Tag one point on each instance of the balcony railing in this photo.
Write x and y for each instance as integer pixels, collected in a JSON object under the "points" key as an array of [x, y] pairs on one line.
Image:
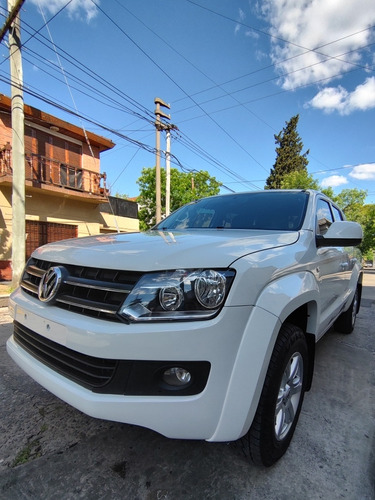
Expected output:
{"points": [[43, 170]]}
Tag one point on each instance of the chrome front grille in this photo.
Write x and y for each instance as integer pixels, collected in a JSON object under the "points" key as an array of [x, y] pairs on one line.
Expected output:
{"points": [[84, 290]]}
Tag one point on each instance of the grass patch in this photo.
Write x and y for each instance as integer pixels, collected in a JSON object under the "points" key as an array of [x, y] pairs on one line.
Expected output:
{"points": [[33, 449], [30, 451]]}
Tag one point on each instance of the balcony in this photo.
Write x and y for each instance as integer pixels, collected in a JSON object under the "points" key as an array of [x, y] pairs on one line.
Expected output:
{"points": [[57, 177]]}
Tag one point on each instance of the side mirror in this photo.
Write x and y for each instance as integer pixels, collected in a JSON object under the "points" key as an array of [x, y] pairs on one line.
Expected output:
{"points": [[341, 234]]}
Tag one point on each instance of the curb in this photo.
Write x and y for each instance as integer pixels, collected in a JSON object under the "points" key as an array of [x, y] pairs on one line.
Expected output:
{"points": [[4, 299]]}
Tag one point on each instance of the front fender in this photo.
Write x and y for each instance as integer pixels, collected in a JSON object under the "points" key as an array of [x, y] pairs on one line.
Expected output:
{"points": [[283, 296], [276, 302]]}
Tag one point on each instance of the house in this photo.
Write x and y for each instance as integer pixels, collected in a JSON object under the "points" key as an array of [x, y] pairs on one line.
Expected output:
{"points": [[66, 194]]}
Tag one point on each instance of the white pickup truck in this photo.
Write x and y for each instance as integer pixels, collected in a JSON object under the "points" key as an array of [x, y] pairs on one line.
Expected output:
{"points": [[203, 327]]}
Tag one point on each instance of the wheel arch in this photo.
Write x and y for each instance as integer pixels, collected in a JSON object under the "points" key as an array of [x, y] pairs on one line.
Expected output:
{"points": [[305, 318]]}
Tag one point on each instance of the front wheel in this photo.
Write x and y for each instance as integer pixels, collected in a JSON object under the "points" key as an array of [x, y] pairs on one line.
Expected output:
{"points": [[281, 399]]}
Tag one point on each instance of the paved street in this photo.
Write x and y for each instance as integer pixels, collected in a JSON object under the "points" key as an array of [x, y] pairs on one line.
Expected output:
{"points": [[49, 450]]}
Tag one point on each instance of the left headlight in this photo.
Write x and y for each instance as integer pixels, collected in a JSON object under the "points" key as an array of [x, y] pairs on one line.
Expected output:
{"points": [[183, 294]]}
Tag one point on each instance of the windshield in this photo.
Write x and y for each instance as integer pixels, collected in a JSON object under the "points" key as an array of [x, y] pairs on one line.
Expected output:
{"points": [[271, 210]]}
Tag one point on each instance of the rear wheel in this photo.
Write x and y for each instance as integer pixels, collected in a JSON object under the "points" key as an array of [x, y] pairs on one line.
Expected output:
{"points": [[281, 399], [346, 321]]}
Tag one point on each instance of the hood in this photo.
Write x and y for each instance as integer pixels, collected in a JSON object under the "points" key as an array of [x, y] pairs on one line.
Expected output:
{"points": [[158, 250]]}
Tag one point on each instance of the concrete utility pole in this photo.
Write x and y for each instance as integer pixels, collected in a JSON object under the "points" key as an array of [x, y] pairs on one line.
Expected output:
{"points": [[168, 173], [9, 20], [18, 149], [168, 129], [159, 125]]}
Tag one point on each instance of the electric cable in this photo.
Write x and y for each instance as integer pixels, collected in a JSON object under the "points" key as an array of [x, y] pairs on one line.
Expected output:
{"points": [[257, 30], [179, 86]]}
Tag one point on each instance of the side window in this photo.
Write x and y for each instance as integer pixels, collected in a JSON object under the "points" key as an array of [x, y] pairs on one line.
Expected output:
{"points": [[337, 213], [324, 216]]}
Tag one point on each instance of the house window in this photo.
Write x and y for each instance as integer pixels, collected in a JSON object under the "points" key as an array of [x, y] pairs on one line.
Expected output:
{"points": [[70, 176]]}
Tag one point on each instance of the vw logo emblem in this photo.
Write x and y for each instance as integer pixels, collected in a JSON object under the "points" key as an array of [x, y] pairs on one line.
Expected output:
{"points": [[49, 284]]}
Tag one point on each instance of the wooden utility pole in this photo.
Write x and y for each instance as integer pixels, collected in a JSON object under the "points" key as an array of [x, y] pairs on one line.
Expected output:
{"points": [[18, 148], [159, 125]]}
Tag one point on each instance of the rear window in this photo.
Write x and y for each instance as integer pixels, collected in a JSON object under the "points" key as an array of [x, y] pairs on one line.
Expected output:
{"points": [[271, 210]]}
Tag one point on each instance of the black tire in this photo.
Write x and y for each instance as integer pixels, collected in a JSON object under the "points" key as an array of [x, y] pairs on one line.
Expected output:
{"points": [[281, 399], [346, 321]]}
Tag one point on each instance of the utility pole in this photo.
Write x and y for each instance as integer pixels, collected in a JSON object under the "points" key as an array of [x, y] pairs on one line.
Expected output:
{"points": [[12, 15], [18, 148], [159, 125], [168, 172], [168, 129]]}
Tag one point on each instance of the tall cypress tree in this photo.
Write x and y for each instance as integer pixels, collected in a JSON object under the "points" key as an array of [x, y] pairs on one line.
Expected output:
{"points": [[288, 154]]}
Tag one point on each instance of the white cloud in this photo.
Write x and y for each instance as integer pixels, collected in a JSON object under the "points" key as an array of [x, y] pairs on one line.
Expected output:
{"points": [[363, 172], [363, 96], [241, 15], [334, 181], [336, 29], [77, 8], [252, 34], [338, 99]]}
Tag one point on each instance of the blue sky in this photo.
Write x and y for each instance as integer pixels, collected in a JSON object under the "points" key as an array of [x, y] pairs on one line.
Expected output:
{"points": [[232, 71]]}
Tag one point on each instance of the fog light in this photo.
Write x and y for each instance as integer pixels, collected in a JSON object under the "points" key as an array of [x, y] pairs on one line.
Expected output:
{"points": [[176, 376]]}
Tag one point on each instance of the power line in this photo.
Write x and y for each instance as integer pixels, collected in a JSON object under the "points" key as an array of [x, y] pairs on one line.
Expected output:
{"points": [[116, 104], [276, 78], [184, 140], [273, 65], [52, 102], [274, 94], [206, 156], [288, 42], [177, 85], [99, 79], [67, 84]]}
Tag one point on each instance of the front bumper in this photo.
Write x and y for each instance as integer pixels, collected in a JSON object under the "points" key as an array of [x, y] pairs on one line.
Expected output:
{"points": [[208, 414]]}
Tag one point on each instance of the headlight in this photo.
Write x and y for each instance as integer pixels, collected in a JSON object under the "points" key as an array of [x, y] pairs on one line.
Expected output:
{"points": [[209, 289], [184, 294]]}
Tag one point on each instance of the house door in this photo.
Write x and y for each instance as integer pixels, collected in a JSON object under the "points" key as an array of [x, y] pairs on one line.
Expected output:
{"points": [[39, 233]]}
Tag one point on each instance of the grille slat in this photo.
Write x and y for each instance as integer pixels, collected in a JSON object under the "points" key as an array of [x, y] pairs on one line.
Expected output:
{"points": [[85, 290], [86, 370], [87, 304], [100, 285], [30, 287], [35, 271]]}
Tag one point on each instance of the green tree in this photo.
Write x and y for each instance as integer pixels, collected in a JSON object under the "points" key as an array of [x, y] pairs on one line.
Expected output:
{"points": [[123, 196], [289, 157], [185, 187], [368, 225], [299, 179], [351, 201]]}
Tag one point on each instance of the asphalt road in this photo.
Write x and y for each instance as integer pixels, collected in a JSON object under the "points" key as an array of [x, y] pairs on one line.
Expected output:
{"points": [[49, 450]]}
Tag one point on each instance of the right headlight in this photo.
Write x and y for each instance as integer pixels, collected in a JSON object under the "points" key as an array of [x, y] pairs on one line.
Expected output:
{"points": [[183, 294]]}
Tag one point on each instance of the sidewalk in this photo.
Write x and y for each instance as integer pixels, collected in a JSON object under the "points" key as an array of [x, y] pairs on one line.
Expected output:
{"points": [[5, 291]]}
